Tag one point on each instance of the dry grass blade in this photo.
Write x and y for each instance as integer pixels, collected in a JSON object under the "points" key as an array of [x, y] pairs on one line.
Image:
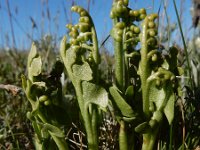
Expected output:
{"points": [[11, 88]]}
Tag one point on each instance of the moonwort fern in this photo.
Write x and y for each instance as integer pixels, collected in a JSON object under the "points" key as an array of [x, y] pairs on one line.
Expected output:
{"points": [[144, 88]]}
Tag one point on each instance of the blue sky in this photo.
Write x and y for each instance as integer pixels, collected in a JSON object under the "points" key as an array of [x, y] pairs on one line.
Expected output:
{"points": [[23, 10]]}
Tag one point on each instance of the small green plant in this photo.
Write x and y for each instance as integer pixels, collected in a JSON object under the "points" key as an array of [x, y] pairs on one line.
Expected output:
{"points": [[45, 95], [143, 92], [81, 59]]}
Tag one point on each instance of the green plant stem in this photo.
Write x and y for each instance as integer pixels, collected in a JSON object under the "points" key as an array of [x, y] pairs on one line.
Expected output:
{"points": [[90, 126], [37, 130], [95, 52], [92, 118], [145, 71], [149, 140], [126, 72], [95, 46], [38, 144], [126, 61], [94, 125], [92, 141], [144, 68], [120, 82], [119, 60], [60, 142], [123, 136], [41, 116]]}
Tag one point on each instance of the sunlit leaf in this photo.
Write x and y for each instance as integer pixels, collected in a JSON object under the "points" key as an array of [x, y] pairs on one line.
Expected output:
{"points": [[169, 107], [32, 54], [63, 47], [83, 72], [70, 57], [124, 107], [157, 95], [164, 99], [36, 67], [95, 94]]}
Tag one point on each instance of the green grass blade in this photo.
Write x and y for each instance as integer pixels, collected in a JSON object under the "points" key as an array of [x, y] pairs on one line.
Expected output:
{"points": [[184, 44]]}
